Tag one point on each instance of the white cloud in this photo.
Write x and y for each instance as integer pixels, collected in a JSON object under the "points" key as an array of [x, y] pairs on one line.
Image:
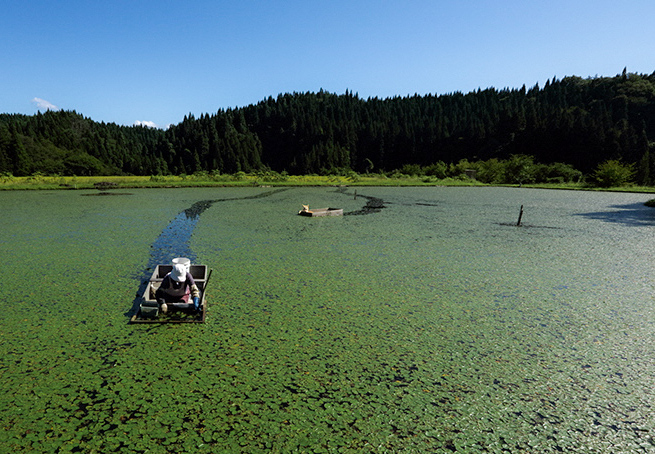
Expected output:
{"points": [[149, 124], [42, 104]]}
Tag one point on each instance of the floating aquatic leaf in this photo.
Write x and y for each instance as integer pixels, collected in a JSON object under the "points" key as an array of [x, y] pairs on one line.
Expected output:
{"points": [[406, 330]]}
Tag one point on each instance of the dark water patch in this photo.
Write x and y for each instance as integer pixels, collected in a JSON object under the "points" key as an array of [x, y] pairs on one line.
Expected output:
{"points": [[195, 210], [373, 204], [174, 240], [376, 204]]}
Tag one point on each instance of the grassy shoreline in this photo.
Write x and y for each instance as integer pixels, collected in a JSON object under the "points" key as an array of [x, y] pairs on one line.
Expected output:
{"points": [[238, 180], [254, 180]]}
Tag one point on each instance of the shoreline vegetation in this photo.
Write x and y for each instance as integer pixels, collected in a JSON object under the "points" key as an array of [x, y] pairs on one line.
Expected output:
{"points": [[273, 179], [561, 131], [574, 133], [517, 171]]}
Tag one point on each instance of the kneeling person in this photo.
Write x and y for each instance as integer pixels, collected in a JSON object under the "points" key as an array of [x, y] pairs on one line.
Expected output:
{"points": [[176, 289]]}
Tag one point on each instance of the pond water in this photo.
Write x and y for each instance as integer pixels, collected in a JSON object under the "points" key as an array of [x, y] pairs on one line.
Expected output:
{"points": [[423, 320]]}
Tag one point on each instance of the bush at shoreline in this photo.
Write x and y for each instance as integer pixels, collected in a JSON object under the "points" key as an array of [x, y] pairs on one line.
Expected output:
{"points": [[264, 179]]}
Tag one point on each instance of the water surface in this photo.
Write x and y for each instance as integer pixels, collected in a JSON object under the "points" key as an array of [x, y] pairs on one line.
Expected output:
{"points": [[429, 322]]}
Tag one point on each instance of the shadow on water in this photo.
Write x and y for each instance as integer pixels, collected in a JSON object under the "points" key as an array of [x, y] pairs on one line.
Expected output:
{"points": [[174, 240], [632, 214]]}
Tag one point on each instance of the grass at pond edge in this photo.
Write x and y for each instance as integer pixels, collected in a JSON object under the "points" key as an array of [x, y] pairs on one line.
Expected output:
{"points": [[104, 183]]}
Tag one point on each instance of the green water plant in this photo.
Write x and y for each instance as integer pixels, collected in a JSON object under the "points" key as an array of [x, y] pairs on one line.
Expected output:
{"points": [[429, 326]]}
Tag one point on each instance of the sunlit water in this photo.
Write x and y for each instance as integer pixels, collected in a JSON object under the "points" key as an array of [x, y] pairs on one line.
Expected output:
{"points": [[424, 320]]}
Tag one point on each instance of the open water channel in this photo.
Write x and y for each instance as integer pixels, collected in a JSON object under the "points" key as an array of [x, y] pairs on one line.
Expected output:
{"points": [[424, 320]]}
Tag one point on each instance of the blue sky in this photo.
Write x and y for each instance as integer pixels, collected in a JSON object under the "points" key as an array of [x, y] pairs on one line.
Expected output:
{"points": [[156, 61]]}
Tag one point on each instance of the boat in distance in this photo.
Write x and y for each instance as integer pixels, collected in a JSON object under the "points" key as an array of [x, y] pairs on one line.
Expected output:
{"points": [[318, 212]]}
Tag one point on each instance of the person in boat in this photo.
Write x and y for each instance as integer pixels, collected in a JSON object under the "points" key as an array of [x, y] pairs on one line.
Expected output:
{"points": [[178, 290]]}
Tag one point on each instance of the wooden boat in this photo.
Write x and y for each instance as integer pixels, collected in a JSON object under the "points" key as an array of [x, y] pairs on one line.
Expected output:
{"points": [[149, 312], [321, 212]]}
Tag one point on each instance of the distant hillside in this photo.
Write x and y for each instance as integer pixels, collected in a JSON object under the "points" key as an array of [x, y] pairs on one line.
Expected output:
{"points": [[580, 122]]}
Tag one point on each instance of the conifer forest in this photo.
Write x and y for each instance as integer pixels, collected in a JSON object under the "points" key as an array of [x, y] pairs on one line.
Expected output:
{"points": [[571, 126]]}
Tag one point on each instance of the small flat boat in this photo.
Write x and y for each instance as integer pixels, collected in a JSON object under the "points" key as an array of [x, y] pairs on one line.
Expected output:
{"points": [[149, 312], [316, 212]]}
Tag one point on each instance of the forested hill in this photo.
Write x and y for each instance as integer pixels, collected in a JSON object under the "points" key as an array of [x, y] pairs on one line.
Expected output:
{"points": [[580, 122]]}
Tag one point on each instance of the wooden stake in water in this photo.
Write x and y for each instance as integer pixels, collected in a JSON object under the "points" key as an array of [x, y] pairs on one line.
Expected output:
{"points": [[520, 216]]}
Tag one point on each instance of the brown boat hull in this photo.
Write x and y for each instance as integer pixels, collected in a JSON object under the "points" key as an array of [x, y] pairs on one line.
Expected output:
{"points": [[148, 310]]}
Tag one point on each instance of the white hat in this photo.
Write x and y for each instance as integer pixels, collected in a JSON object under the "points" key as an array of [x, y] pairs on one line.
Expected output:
{"points": [[179, 273]]}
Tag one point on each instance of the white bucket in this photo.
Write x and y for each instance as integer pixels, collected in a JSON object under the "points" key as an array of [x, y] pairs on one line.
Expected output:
{"points": [[182, 261]]}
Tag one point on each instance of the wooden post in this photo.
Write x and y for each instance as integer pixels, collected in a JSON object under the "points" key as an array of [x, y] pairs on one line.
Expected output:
{"points": [[520, 216], [355, 195]]}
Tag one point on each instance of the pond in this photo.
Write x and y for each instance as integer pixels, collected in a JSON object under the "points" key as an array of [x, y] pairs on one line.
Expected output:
{"points": [[423, 320]]}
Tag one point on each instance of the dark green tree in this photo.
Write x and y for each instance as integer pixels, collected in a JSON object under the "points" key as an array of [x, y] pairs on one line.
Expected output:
{"points": [[21, 163], [613, 173]]}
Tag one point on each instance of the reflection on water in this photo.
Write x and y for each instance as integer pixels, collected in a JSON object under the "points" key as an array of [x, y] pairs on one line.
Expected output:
{"points": [[174, 241]]}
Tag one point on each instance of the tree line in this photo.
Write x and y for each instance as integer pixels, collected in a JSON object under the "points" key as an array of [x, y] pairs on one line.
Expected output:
{"points": [[572, 125]]}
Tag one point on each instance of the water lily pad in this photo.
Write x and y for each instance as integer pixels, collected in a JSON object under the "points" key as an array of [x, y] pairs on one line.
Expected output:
{"points": [[423, 327]]}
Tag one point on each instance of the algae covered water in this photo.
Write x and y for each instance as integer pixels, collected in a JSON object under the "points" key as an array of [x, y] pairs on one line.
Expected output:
{"points": [[423, 320]]}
